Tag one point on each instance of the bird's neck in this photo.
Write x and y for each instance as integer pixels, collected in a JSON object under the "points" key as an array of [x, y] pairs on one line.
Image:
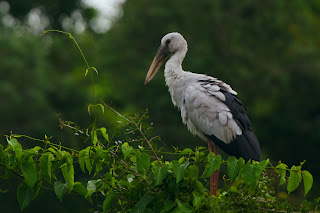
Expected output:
{"points": [[173, 66], [172, 73]]}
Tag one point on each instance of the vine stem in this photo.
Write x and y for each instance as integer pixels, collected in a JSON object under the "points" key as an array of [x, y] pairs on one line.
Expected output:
{"points": [[44, 141], [137, 127], [84, 58]]}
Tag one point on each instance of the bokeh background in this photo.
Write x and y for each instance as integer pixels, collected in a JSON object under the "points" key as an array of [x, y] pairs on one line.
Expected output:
{"points": [[268, 51]]}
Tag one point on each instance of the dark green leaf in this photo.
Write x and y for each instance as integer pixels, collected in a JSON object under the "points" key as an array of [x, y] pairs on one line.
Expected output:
{"points": [[36, 189], [159, 172], [199, 186], [168, 204], [179, 169], [294, 179], [307, 181], [29, 171], [107, 201], [142, 162], [60, 189], [24, 195], [212, 165], [46, 165], [143, 202], [182, 207], [234, 166]]}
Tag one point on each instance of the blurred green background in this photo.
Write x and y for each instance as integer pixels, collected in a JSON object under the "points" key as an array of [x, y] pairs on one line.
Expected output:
{"points": [[268, 51]]}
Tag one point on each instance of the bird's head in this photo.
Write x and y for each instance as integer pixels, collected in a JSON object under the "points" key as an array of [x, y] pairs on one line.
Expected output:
{"points": [[170, 43]]}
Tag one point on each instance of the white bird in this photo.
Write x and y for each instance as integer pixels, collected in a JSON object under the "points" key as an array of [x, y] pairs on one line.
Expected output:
{"points": [[209, 107]]}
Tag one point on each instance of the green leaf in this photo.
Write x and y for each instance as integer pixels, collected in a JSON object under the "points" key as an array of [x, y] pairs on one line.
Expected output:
{"points": [[168, 204], [192, 172], [142, 162], [92, 187], [162, 174], [212, 165], [102, 157], [307, 181], [126, 149], [46, 165], [252, 171], [52, 150], [179, 169], [186, 151], [199, 186], [94, 137], [107, 201], [68, 171], [250, 174], [81, 159], [294, 179], [24, 195], [16, 147], [36, 189], [182, 207], [234, 166], [196, 200], [159, 172], [282, 170], [34, 150], [88, 160], [104, 133], [143, 202], [262, 165], [60, 189], [81, 190], [29, 171], [100, 105]]}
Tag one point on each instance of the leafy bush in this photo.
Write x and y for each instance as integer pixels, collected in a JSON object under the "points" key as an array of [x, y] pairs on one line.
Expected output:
{"points": [[131, 175]]}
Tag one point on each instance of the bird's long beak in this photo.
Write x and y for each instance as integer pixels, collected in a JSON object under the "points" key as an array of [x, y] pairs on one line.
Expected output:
{"points": [[156, 63]]}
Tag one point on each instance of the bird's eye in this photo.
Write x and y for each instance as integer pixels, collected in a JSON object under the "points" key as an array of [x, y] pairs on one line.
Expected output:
{"points": [[168, 41]]}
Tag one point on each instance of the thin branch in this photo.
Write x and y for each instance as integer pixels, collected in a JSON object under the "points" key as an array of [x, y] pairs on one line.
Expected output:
{"points": [[14, 172]]}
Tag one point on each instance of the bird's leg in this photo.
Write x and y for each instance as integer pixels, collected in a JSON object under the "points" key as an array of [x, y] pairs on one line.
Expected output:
{"points": [[212, 178], [216, 173]]}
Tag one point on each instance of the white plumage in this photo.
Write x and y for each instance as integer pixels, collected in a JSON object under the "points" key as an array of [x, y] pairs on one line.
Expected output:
{"points": [[208, 106]]}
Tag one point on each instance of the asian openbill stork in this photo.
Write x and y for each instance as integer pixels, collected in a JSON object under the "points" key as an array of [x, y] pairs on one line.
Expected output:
{"points": [[209, 107]]}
